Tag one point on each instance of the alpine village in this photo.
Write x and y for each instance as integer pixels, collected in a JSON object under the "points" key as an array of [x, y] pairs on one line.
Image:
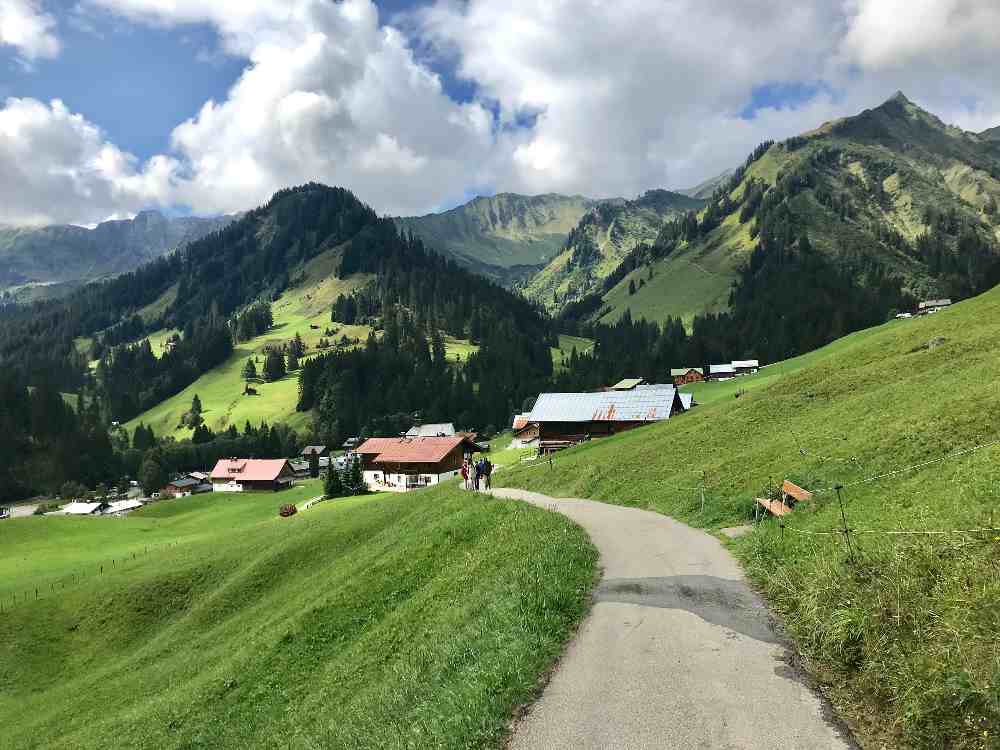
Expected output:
{"points": [[705, 467]]}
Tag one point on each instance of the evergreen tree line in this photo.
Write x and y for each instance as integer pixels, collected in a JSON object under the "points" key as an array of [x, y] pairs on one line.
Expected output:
{"points": [[380, 388], [45, 442]]}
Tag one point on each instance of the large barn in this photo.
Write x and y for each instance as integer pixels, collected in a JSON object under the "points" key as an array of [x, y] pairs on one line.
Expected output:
{"points": [[565, 419], [407, 463]]}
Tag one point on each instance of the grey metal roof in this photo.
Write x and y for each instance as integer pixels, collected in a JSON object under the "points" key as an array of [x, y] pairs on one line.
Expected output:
{"points": [[181, 483], [721, 368], [644, 404], [934, 303], [738, 363], [444, 429]]}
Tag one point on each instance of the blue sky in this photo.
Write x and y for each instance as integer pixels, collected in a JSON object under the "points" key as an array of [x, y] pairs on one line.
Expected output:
{"points": [[418, 105], [139, 81]]}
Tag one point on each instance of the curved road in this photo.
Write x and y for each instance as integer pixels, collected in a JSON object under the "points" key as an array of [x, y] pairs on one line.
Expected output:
{"points": [[677, 652]]}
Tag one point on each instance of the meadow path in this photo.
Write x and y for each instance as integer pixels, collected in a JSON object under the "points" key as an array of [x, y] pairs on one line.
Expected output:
{"points": [[677, 652]]}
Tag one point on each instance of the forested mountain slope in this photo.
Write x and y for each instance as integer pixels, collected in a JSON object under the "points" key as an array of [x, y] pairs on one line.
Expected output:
{"points": [[505, 236], [890, 194], [600, 241], [68, 255]]}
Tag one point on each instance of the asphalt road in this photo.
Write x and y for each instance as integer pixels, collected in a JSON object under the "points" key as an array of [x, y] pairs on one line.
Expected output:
{"points": [[677, 652]]}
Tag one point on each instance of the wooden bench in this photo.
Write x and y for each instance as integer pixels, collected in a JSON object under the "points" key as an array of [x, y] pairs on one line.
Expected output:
{"points": [[791, 494], [793, 491], [775, 507]]}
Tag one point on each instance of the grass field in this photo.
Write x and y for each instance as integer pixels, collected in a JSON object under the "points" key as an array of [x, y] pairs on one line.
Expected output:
{"points": [[393, 621], [458, 350], [905, 637], [706, 393]]}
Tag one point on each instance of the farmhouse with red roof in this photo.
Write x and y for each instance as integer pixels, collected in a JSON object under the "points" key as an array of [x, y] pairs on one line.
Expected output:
{"points": [[247, 474], [401, 464]]}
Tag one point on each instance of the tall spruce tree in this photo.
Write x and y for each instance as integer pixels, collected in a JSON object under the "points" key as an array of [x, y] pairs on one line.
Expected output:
{"points": [[334, 486]]}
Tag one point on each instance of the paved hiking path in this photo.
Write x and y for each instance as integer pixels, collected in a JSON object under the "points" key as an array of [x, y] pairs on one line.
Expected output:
{"points": [[677, 652]]}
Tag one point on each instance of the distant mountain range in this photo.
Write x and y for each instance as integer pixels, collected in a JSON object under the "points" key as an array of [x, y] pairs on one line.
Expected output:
{"points": [[507, 236], [46, 261]]}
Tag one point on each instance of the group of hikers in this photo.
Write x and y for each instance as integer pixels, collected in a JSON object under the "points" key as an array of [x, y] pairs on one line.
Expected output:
{"points": [[476, 474]]}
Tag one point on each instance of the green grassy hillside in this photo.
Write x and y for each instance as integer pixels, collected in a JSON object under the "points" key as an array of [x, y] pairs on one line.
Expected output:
{"points": [[867, 190], [904, 638], [503, 236], [600, 241], [421, 620], [221, 389]]}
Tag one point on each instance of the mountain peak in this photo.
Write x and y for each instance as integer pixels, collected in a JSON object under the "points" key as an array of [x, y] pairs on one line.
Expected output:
{"points": [[899, 97]]}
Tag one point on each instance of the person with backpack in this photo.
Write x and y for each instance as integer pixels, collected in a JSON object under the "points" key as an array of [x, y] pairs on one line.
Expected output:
{"points": [[477, 474]]}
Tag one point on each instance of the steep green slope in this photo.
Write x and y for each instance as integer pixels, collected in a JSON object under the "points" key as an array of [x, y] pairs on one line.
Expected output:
{"points": [[53, 260], [904, 637], [890, 193], [505, 236], [597, 245], [391, 621]]}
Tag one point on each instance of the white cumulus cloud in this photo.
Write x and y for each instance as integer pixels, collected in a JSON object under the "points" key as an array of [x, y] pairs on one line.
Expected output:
{"points": [[328, 95], [26, 27], [58, 168]]}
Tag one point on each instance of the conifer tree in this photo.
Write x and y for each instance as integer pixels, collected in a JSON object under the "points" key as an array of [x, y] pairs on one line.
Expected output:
{"points": [[274, 366], [357, 481], [334, 486]]}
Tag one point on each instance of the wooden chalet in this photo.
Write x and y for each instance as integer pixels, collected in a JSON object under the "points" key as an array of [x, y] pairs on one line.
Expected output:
{"points": [[186, 486], [932, 306], [408, 463], [565, 419], [687, 375], [746, 366], [252, 474], [525, 432], [721, 372]]}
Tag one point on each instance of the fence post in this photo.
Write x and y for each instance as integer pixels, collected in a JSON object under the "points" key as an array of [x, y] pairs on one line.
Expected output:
{"points": [[843, 516]]}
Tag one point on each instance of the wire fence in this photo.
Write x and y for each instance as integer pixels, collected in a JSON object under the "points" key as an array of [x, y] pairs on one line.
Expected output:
{"points": [[53, 588]]}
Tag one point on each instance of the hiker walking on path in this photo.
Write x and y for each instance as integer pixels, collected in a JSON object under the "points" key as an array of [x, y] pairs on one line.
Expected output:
{"points": [[476, 473], [465, 474], [487, 472]]}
